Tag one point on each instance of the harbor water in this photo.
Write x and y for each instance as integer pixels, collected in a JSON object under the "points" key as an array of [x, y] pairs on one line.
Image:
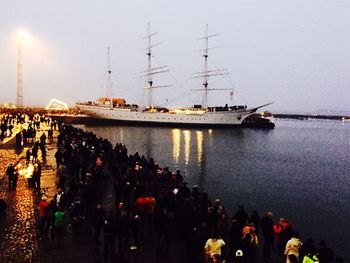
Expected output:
{"points": [[300, 170]]}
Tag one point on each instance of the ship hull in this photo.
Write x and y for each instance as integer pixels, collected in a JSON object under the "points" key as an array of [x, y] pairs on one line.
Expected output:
{"points": [[127, 116]]}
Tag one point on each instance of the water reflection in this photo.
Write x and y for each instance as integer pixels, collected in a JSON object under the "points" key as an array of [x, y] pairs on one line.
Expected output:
{"points": [[186, 148], [183, 151], [176, 138], [122, 135], [187, 137], [149, 142], [201, 157], [199, 135]]}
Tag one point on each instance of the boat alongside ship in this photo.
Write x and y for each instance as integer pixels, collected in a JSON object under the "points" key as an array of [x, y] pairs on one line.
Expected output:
{"points": [[117, 110], [258, 121]]}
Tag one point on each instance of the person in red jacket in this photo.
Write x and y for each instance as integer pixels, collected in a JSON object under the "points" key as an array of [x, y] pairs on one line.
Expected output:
{"points": [[279, 229], [42, 206]]}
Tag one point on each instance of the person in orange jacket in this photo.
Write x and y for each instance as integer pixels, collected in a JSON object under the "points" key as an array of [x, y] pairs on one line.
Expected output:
{"points": [[278, 230]]}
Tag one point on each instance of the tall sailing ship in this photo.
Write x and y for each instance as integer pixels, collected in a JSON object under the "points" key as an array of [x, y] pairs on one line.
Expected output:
{"points": [[116, 109]]}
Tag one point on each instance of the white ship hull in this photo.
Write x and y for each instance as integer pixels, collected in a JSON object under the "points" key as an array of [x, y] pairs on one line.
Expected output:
{"points": [[188, 118]]}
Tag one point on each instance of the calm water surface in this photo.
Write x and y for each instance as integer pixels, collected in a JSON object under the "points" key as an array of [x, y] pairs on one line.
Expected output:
{"points": [[300, 170]]}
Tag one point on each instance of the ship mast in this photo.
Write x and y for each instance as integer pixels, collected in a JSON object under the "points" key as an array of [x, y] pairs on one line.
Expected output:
{"points": [[150, 70], [206, 73], [109, 86], [149, 57]]}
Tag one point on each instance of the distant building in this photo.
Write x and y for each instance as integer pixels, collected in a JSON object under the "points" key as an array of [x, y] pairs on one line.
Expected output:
{"points": [[55, 104], [8, 105]]}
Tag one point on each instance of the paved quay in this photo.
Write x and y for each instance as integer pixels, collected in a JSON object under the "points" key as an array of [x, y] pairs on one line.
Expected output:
{"points": [[20, 240], [18, 233]]}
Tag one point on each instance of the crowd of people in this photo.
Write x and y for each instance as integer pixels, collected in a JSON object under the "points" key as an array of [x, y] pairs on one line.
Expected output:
{"points": [[7, 124], [155, 203], [26, 137]]}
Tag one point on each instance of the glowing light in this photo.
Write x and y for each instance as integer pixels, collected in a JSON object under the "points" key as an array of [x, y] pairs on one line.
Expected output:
{"points": [[55, 104], [187, 135], [23, 36], [188, 111], [176, 145], [22, 33], [121, 135], [199, 146], [8, 105], [26, 172]]}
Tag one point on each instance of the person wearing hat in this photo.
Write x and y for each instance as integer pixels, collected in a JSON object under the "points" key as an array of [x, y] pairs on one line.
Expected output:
{"points": [[292, 249], [238, 257], [250, 242]]}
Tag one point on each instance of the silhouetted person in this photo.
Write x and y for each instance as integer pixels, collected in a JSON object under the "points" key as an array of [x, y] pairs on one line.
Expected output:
{"points": [[18, 139], [254, 218], [109, 231], [162, 223], [98, 218], [242, 216], [325, 254], [12, 173], [268, 235], [37, 177], [234, 237], [28, 155], [60, 198], [3, 206], [58, 157]]}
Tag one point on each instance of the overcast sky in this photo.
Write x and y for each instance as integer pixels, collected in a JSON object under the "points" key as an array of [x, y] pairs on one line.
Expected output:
{"points": [[294, 53]]}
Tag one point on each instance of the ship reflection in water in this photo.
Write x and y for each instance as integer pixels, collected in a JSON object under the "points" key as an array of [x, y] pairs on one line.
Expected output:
{"points": [[176, 136], [187, 137], [182, 149], [187, 148], [179, 149], [199, 135]]}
